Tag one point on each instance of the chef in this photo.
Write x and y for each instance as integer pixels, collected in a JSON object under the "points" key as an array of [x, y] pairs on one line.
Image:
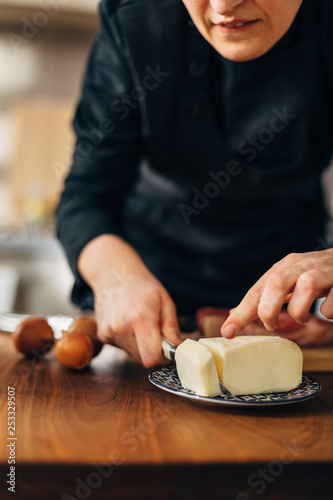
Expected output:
{"points": [[202, 132]]}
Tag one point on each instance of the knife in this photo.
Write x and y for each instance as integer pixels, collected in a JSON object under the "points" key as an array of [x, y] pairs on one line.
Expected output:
{"points": [[58, 322], [168, 349]]}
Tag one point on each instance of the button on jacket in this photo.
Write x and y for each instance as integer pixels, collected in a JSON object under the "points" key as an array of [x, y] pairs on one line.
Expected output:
{"points": [[209, 168]]}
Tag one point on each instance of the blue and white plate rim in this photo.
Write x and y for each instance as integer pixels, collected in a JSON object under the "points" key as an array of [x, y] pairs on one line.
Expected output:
{"points": [[166, 378]]}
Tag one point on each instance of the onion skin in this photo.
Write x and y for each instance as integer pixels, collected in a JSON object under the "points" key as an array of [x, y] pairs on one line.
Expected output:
{"points": [[33, 336], [87, 325], [75, 350]]}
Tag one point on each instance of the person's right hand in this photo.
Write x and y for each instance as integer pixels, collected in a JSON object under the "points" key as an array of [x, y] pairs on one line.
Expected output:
{"points": [[136, 317], [132, 308]]}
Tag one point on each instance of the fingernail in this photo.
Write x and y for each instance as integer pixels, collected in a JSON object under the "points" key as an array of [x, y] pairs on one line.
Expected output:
{"points": [[304, 320], [229, 331], [270, 328]]}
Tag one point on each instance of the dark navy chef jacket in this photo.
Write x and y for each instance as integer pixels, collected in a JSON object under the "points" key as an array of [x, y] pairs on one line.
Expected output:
{"points": [[210, 168]]}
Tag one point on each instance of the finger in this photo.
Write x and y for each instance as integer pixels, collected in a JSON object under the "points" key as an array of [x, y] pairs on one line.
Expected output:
{"points": [[169, 322], [118, 338], [309, 286], [243, 314], [265, 299], [148, 337], [326, 307], [277, 287]]}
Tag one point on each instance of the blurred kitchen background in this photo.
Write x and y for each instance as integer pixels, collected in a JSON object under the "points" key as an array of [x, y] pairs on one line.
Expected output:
{"points": [[43, 51]]}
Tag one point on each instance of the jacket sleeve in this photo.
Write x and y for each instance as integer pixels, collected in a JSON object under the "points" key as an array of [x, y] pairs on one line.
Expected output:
{"points": [[107, 152]]}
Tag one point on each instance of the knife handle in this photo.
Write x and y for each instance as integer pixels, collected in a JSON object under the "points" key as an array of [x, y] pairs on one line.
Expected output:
{"points": [[168, 349]]}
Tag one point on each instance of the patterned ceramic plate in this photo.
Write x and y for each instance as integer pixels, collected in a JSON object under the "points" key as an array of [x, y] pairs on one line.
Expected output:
{"points": [[166, 378]]}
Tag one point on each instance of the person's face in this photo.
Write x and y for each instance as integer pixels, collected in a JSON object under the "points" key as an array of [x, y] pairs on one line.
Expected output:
{"points": [[241, 30]]}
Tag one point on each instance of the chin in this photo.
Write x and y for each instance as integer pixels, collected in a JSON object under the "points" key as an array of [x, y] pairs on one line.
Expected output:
{"points": [[239, 52]]}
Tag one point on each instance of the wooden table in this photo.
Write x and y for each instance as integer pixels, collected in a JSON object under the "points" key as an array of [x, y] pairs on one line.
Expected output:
{"points": [[108, 433]]}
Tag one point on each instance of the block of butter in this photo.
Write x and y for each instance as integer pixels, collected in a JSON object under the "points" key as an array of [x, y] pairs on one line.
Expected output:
{"points": [[256, 364], [196, 369]]}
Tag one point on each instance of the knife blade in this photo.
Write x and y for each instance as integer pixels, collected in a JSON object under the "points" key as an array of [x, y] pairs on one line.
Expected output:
{"points": [[168, 349], [58, 322]]}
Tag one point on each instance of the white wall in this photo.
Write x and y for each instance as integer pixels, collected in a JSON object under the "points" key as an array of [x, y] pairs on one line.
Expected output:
{"points": [[48, 65]]}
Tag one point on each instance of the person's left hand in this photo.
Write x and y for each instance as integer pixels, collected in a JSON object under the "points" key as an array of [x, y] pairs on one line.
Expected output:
{"points": [[298, 279]]}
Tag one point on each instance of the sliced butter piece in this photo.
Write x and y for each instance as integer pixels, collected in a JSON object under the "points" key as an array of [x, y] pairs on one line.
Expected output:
{"points": [[196, 369], [256, 364]]}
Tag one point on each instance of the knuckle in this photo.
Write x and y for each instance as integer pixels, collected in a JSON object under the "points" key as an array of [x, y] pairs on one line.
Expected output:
{"points": [[253, 295], [291, 258], [265, 310], [307, 282], [307, 264], [276, 281], [137, 318], [312, 262]]}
